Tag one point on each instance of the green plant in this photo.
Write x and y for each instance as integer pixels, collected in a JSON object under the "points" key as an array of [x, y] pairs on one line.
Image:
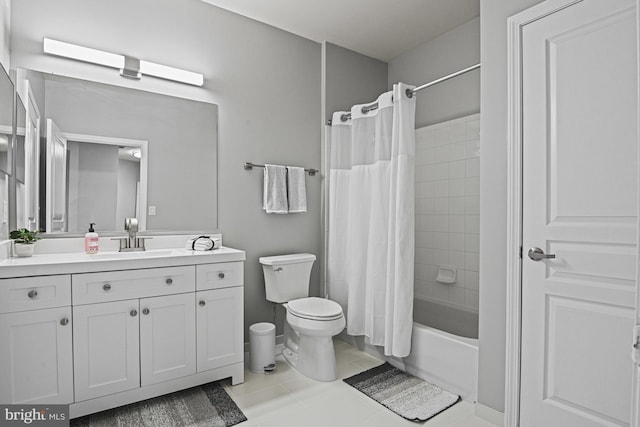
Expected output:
{"points": [[22, 235]]}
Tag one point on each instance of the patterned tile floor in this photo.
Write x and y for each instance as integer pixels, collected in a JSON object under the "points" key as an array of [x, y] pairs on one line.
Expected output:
{"points": [[289, 399]]}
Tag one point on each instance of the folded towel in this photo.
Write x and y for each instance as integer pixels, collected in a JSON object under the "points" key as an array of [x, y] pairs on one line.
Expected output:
{"points": [[203, 243], [275, 189], [296, 190]]}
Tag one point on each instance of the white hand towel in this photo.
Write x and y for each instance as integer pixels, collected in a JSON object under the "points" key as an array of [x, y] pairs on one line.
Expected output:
{"points": [[296, 190], [275, 189]]}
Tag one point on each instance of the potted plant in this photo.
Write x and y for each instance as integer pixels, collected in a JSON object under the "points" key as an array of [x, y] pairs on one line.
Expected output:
{"points": [[24, 241]]}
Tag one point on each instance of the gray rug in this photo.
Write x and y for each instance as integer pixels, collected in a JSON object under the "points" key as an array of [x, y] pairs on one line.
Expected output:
{"points": [[206, 405], [404, 394]]}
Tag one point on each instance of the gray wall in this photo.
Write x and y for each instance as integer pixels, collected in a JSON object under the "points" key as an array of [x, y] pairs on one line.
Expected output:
{"points": [[450, 52], [350, 78], [5, 31], [493, 197], [265, 81], [128, 179]]}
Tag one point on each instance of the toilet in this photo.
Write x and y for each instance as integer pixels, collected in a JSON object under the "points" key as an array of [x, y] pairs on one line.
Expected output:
{"points": [[311, 322]]}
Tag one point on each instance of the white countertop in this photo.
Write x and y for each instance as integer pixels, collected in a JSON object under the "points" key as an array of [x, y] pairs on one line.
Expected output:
{"points": [[79, 262]]}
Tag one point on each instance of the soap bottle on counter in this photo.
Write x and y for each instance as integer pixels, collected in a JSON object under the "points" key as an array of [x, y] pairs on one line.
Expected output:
{"points": [[91, 240]]}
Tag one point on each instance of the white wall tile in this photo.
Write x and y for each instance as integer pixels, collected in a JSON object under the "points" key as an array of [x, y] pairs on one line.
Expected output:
{"points": [[473, 167], [456, 242], [471, 280], [441, 242], [441, 223], [472, 186], [457, 205], [471, 261], [457, 187], [447, 209], [441, 171], [457, 169], [441, 135], [472, 242], [472, 205], [441, 188], [441, 153], [424, 189], [456, 223], [441, 205], [424, 206], [471, 298]]}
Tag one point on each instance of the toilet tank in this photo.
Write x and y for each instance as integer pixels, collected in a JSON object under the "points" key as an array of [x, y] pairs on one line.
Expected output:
{"points": [[286, 277]]}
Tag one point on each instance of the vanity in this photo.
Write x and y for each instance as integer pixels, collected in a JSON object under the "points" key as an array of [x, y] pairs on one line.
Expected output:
{"points": [[104, 330]]}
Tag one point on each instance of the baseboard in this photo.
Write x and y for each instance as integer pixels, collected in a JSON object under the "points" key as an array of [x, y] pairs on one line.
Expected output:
{"points": [[489, 415]]}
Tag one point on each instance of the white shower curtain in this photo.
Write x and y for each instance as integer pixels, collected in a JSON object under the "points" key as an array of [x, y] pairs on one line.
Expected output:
{"points": [[371, 220]]}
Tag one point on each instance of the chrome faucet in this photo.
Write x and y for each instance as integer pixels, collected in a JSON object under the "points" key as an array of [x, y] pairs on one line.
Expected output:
{"points": [[132, 242]]}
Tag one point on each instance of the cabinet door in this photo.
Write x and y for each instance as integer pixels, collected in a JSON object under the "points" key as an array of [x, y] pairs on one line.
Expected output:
{"points": [[106, 348], [36, 363], [220, 330], [167, 338]]}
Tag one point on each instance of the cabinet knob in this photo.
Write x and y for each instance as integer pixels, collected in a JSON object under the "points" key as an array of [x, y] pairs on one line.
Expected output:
{"points": [[202, 303], [32, 294], [145, 311], [221, 275], [106, 287], [169, 281], [133, 313], [64, 321]]}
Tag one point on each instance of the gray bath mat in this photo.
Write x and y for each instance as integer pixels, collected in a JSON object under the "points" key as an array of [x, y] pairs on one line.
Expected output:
{"points": [[404, 394], [206, 405]]}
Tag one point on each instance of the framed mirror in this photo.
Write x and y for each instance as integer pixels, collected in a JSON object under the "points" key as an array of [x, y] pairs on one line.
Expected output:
{"points": [[6, 120], [108, 153]]}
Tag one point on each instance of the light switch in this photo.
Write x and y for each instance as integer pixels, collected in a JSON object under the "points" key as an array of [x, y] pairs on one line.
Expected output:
{"points": [[152, 210]]}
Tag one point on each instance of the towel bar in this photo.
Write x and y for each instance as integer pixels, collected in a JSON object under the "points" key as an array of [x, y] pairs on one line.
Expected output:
{"points": [[248, 166]]}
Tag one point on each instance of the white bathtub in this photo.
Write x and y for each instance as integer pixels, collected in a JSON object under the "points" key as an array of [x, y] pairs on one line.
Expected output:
{"points": [[441, 358]]}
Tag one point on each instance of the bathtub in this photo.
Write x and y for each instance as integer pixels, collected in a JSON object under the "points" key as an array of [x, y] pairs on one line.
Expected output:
{"points": [[442, 358]]}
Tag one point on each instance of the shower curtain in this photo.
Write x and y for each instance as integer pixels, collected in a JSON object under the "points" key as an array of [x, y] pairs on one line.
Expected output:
{"points": [[371, 220]]}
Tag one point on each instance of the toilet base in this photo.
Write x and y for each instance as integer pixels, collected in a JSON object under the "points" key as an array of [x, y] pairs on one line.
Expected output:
{"points": [[312, 353]]}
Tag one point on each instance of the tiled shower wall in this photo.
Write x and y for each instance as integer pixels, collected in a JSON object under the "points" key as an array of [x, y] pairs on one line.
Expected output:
{"points": [[447, 210]]}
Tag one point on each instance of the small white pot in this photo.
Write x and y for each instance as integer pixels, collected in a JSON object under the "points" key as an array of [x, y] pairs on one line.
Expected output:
{"points": [[24, 249]]}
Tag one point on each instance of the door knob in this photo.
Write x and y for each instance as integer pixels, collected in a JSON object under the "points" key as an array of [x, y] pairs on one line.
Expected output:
{"points": [[202, 303], [537, 254], [145, 311], [64, 321], [32, 294]]}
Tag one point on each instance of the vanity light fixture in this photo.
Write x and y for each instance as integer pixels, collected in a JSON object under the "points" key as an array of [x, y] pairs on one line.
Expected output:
{"points": [[129, 67]]}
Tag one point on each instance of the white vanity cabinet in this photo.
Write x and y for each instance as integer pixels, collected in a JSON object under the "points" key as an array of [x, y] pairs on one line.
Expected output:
{"points": [[36, 363], [109, 334]]}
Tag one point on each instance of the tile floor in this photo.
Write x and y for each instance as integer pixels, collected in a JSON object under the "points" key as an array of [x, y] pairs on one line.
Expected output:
{"points": [[289, 399]]}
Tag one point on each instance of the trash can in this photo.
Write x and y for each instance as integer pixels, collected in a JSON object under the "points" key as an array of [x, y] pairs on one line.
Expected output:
{"points": [[262, 347]]}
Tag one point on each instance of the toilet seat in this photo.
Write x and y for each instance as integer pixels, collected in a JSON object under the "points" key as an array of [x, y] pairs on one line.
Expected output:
{"points": [[315, 308]]}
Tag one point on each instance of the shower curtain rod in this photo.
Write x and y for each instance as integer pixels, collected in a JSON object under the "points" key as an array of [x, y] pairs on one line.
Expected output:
{"points": [[410, 92]]}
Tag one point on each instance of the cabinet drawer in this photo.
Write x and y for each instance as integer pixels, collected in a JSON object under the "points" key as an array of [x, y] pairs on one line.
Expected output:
{"points": [[220, 275], [120, 285], [32, 293]]}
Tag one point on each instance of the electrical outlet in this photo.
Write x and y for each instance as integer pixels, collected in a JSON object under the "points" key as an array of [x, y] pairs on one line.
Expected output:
{"points": [[152, 210]]}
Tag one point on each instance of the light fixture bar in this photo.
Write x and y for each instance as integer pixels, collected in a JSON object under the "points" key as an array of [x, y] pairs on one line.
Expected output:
{"points": [[107, 59]]}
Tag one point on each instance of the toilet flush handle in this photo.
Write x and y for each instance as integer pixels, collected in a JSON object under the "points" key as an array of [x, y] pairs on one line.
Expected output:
{"points": [[277, 269]]}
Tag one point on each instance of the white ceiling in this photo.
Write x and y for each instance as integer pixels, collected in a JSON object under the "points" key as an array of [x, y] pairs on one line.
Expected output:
{"points": [[381, 29]]}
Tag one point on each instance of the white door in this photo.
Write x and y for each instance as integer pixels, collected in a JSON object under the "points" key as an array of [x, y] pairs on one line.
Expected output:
{"points": [[56, 180], [580, 174], [106, 348], [32, 161], [37, 358], [220, 328], [167, 338]]}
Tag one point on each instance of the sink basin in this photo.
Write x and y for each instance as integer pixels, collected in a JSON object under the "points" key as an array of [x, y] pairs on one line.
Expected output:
{"points": [[132, 255]]}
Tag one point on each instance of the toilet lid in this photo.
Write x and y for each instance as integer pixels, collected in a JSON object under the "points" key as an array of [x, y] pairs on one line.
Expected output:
{"points": [[315, 308]]}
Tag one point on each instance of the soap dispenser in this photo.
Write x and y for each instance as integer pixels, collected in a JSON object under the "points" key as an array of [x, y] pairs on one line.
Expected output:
{"points": [[91, 240]]}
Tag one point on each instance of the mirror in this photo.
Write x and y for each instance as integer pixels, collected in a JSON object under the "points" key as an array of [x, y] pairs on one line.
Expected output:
{"points": [[108, 153], [6, 120]]}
